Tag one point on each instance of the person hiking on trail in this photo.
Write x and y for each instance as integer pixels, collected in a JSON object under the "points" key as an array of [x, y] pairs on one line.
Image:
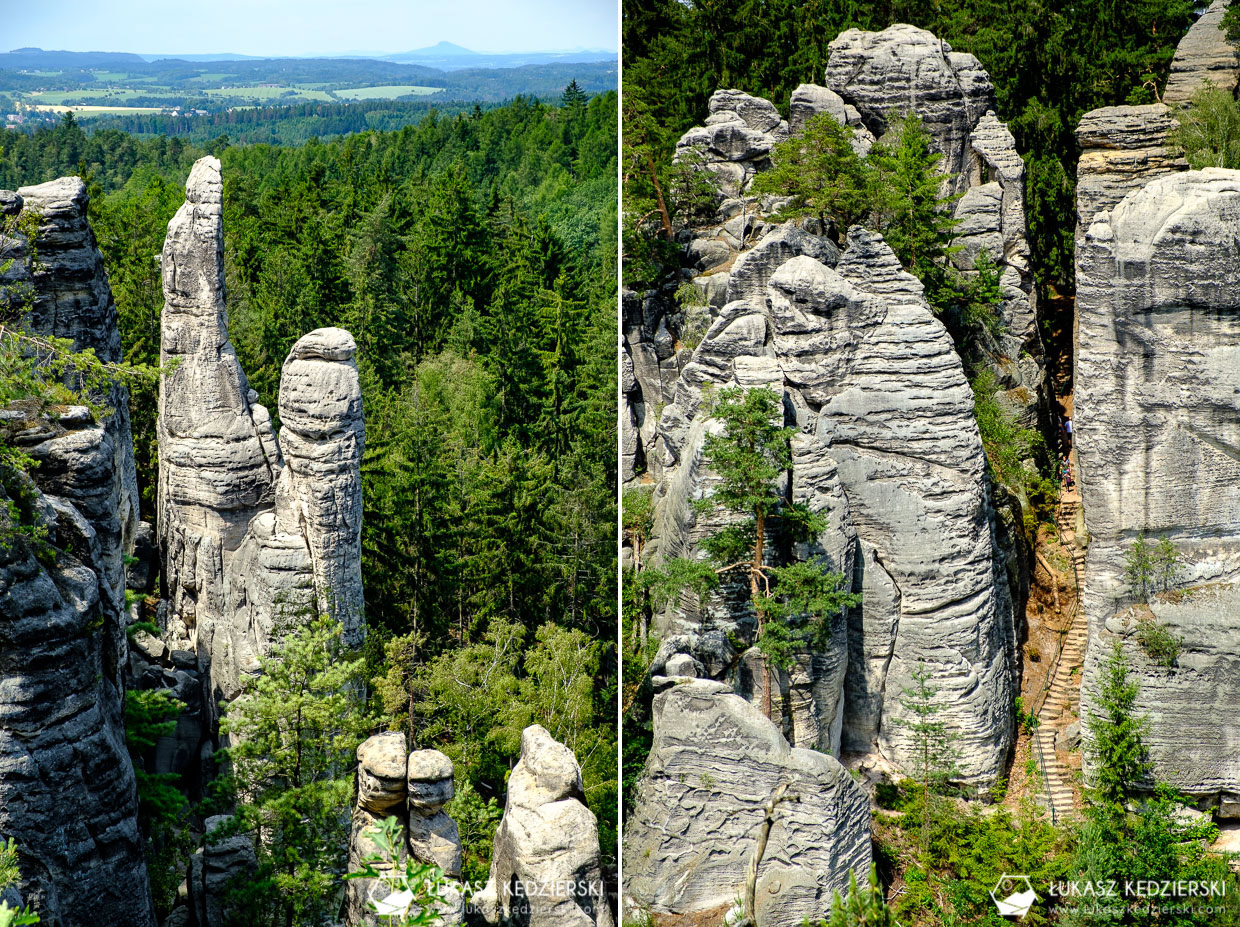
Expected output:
{"points": [[1067, 429]]}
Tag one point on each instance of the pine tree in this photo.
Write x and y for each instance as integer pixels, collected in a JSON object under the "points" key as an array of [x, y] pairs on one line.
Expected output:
{"points": [[907, 204], [821, 172], [794, 604], [294, 732]]}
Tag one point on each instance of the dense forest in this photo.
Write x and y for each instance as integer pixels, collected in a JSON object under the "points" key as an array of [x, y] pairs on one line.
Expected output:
{"points": [[473, 258], [1051, 62]]}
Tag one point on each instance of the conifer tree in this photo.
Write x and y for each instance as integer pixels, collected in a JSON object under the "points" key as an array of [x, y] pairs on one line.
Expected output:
{"points": [[294, 733], [1120, 758]]}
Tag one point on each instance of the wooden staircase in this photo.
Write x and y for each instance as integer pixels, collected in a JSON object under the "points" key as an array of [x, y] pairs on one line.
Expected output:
{"points": [[1063, 695]]}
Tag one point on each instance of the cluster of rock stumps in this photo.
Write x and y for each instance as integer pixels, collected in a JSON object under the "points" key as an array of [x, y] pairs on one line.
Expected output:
{"points": [[413, 788]]}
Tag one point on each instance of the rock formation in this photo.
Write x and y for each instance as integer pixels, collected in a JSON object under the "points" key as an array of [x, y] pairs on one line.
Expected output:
{"points": [[67, 792], [715, 770], [545, 869], [256, 530], [1122, 149], [904, 69], [215, 869], [872, 79], [413, 788], [1204, 56], [889, 452], [1158, 435]]}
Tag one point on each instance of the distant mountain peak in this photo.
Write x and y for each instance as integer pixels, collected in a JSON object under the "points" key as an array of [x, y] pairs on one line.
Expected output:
{"points": [[442, 48]]}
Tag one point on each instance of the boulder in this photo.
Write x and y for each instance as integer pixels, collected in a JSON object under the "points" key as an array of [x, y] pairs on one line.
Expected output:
{"points": [[715, 768], [381, 762]]}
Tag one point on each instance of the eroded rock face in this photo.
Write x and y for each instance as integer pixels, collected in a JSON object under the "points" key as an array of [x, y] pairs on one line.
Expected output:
{"points": [[1122, 149], [67, 792], [873, 78], [715, 766], [889, 452], [1204, 56], [217, 460], [322, 439], [545, 869], [905, 69], [1158, 435], [255, 538]]}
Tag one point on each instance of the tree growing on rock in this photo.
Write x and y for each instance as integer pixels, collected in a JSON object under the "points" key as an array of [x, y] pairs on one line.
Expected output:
{"points": [[821, 173], [794, 604], [295, 731], [906, 203]]}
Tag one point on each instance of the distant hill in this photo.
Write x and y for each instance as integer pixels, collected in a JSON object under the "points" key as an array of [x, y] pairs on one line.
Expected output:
{"points": [[26, 59], [449, 57]]}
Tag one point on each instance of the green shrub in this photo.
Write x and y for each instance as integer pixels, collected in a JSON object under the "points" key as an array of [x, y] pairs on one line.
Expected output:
{"points": [[1208, 132], [1159, 643]]}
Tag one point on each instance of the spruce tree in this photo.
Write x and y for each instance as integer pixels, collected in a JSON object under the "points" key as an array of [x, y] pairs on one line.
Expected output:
{"points": [[1120, 758], [822, 174]]}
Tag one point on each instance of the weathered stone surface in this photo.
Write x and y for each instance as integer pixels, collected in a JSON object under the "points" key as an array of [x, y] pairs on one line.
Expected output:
{"points": [[381, 768], [890, 452], [387, 775], [216, 470], [737, 139], [67, 791], [1122, 149], [905, 69], [1158, 431], [72, 299], [221, 865], [429, 780], [545, 867], [715, 764], [322, 439], [1204, 56], [435, 839], [254, 540]]}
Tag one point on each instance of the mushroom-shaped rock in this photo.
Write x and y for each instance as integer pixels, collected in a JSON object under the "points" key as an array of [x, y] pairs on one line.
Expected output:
{"points": [[381, 763]]}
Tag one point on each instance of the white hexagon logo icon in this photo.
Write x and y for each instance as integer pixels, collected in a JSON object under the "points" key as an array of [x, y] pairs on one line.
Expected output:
{"points": [[1013, 895]]}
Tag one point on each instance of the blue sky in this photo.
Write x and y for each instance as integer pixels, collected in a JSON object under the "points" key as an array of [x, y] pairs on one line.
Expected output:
{"points": [[306, 27]]}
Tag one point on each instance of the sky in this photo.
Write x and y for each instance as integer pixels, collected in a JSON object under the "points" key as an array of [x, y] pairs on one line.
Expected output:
{"points": [[307, 27]]}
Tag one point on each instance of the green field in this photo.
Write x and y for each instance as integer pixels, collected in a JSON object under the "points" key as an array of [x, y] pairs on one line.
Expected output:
{"points": [[113, 77], [390, 92], [113, 96], [87, 111], [268, 94]]}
